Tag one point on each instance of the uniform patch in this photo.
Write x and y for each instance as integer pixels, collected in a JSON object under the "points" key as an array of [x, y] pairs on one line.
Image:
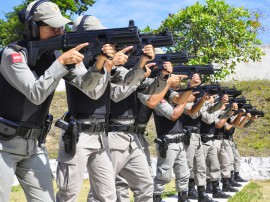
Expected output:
{"points": [[15, 58], [163, 101]]}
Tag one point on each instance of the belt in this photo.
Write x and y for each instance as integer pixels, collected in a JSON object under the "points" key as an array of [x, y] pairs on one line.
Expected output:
{"points": [[218, 137], [193, 129], [174, 140], [206, 138], [28, 133], [100, 127], [122, 128]]}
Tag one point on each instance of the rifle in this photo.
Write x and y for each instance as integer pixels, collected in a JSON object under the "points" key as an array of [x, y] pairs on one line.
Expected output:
{"points": [[96, 38], [189, 70], [162, 39], [232, 92], [209, 89], [240, 101], [255, 112], [178, 57]]}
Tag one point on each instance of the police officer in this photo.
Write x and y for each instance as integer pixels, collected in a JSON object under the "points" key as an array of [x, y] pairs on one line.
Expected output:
{"points": [[143, 115], [29, 90], [207, 130], [171, 152], [191, 121], [91, 113]]}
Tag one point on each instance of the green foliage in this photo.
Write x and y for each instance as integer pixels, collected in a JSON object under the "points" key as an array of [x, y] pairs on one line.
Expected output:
{"points": [[12, 30], [216, 32]]}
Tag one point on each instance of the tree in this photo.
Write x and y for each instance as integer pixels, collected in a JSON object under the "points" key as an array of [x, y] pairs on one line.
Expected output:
{"points": [[12, 30], [216, 32]]}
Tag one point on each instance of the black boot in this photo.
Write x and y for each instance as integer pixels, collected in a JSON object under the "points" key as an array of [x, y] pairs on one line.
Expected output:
{"points": [[209, 188], [203, 196], [217, 192], [238, 178], [157, 198], [192, 192], [232, 181], [183, 196], [227, 187]]}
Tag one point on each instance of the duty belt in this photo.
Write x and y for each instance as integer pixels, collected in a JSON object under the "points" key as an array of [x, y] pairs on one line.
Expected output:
{"points": [[218, 137], [28, 133], [193, 129], [87, 128], [122, 128], [174, 140], [206, 138]]}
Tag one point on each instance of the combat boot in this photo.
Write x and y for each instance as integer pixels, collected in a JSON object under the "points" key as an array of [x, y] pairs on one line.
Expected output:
{"points": [[232, 181], [238, 178], [203, 196], [192, 192], [217, 192], [157, 198], [209, 187], [183, 196], [227, 187]]}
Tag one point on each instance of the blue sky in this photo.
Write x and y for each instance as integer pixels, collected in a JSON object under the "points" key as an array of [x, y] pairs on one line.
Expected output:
{"points": [[117, 13]]}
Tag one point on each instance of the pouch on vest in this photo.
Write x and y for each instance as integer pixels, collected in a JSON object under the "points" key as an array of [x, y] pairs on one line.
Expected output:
{"points": [[7, 129]]}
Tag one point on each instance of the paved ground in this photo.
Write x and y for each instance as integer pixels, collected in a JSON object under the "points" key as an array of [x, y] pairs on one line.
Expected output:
{"points": [[174, 198]]}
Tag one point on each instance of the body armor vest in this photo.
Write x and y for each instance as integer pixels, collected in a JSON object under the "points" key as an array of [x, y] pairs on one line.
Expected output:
{"points": [[81, 106], [17, 107], [228, 134], [165, 126], [125, 109], [144, 113], [207, 128], [188, 121]]}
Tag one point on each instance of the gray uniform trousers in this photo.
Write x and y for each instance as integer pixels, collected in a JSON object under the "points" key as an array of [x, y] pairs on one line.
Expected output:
{"points": [[32, 170], [223, 158], [130, 163], [237, 157], [229, 150], [211, 159], [176, 161], [196, 160], [92, 153], [121, 183]]}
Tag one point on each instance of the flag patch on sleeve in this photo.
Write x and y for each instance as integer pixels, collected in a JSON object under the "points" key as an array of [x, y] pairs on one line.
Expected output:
{"points": [[15, 58]]}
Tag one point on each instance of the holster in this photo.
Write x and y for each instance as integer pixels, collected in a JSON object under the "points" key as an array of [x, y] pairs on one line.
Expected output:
{"points": [[187, 136], [70, 137], [162, 147], [45, 131]]}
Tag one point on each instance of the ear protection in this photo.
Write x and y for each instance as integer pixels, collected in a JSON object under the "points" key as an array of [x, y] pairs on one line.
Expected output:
{"points": [[31, 28], [80, 27]]}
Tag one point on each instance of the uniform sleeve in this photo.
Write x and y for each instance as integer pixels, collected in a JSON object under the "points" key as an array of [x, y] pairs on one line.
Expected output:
{"points": [[15, 70], [152, 86], [210, 118], [127, 77], [165, 109], [143, 98]]}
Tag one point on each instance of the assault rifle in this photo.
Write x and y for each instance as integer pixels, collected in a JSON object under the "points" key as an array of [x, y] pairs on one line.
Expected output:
{"points": [[178, 57], [189, 70], [96, 38], [209, 89], [255, 112], [232, 92], [241, 100]]}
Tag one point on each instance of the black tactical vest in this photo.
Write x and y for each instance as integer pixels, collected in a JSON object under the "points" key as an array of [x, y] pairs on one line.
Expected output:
{"points": [[188, 121], [18, 108], [207, 128], [144, 113], [219, 131], [82, 107], [165, 126], [125, 109], [228, 134]]}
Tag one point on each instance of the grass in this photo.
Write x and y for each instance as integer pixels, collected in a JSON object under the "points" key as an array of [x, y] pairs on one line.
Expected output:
{"points": [[17, 194]]}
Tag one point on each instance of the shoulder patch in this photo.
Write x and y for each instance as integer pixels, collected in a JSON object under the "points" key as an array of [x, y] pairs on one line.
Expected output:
{"points": [[163, 101], [15, 58]]}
